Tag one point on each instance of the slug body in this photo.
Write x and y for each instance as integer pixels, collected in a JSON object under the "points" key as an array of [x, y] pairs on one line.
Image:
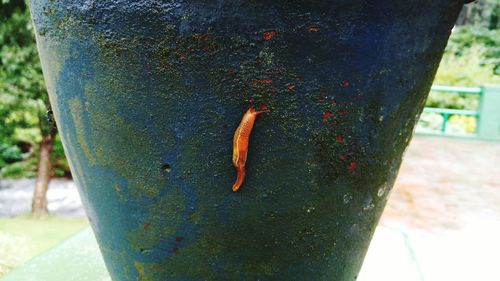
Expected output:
{"points": [[240, 144]]}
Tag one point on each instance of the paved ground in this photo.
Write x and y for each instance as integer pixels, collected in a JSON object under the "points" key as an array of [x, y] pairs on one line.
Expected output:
{"points": [[446, 203], [63, 198], [446, 184], [442, 221]]}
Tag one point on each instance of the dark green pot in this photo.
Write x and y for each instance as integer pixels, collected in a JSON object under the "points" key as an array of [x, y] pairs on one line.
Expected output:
{"points": [[147, 96]]}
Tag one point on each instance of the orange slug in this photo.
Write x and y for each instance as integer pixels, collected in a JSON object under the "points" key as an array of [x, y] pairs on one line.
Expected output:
{"points": [[240, 144]]}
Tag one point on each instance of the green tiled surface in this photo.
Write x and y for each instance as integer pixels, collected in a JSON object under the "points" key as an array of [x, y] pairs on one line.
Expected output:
{"points": [[76, 259]]}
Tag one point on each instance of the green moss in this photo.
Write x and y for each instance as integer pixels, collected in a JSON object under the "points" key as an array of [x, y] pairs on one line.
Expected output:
{"points": [[164, 220], [77, 112]]}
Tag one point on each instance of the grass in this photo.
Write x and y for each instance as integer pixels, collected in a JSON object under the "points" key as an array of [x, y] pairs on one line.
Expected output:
{"points": [[24, 237]]}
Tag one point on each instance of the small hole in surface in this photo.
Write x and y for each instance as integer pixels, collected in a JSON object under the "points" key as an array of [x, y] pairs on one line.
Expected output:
{"points": [[166, 168]]}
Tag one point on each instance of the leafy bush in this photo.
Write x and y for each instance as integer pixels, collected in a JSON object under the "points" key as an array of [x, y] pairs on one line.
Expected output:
{"points": [[459, 124], [453, 100], [470, 68], [21, 169], [9, 154], [472, 58]]}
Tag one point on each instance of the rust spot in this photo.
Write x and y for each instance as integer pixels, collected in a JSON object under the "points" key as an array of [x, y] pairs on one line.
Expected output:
{"points": [[345, 83], [352, 167], [343, 157], [290, 86], [181, 56], [268, 35], [340, 139], [202, 37], [326, 115], [261, 81], [263, 107], [312, 29], [146, 225]]}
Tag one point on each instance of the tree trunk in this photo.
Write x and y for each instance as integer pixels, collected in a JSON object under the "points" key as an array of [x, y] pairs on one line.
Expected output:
{"points": [[39, 202]]}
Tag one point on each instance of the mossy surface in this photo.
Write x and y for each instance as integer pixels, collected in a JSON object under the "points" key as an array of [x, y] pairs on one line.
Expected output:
{"points": [[147, 96]]}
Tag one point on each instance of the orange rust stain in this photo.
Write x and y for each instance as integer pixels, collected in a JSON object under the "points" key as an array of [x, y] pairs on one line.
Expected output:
{"points": [[352, 167], [264, 107], [268, 35], [313, 29], [340, 139], [240, 143], [202, 37], [261, 81], [290, 86], [326, 115]]}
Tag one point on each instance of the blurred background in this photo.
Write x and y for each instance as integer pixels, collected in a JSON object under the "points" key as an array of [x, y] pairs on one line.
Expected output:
{"points": [[442, 221]]}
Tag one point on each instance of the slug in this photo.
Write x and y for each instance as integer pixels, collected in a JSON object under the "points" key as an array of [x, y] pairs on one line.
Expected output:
{"points": [[240, 144]]}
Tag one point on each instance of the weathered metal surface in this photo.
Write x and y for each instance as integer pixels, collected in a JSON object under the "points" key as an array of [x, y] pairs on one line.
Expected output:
{"points": [[147, 95]]}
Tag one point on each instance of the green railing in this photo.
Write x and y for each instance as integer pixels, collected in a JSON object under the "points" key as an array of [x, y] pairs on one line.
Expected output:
{"points": [[486, 115]]}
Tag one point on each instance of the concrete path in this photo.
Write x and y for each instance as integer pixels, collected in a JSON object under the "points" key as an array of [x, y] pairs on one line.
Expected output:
{"points": [[62, 197], [446, 202]]}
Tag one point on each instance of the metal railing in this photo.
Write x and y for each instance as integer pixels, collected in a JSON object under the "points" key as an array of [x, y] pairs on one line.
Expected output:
{"points": [[486, 115]]}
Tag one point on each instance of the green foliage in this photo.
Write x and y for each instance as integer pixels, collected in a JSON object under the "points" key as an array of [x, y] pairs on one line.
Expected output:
{"points": [[459, 124], [481, 13], [472, 58], [9, 154], [23, 98], [21, 169], [453, 101]]}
